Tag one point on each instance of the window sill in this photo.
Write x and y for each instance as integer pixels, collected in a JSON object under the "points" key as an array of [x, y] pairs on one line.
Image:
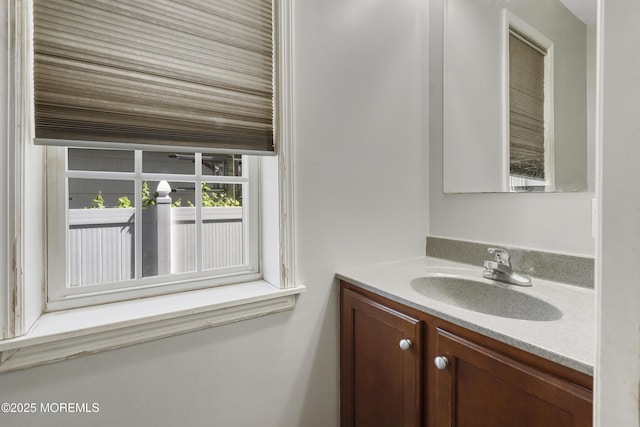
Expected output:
{"points": [[67, 334]]}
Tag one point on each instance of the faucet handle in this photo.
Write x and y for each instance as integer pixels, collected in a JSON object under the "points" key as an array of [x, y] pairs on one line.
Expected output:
{"points": [[501, 255]]}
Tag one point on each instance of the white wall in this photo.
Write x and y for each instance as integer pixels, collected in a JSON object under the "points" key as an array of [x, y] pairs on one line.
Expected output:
{"points": [[559, 222], [361, 197]]}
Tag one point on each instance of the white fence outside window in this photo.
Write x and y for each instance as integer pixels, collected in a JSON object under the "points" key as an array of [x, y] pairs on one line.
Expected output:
{"points": [[102, 242]]}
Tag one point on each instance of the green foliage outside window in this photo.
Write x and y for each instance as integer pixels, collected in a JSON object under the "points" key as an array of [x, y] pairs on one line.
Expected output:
{"points": [[210, 198], [97, 202]]}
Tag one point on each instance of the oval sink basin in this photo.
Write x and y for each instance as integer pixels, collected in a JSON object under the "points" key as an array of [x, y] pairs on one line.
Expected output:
{"points": [[485, 297]]}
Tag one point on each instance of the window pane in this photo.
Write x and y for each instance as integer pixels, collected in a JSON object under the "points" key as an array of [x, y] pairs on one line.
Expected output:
{"points": [[222, 226], [222, 165], [183, 239], [183, 194], [101, 231], [221, 195], [172, 163], [100, 193], [101, 160]]}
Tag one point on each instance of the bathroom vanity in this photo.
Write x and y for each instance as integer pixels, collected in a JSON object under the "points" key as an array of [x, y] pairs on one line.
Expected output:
{"points": [[412, 357]]}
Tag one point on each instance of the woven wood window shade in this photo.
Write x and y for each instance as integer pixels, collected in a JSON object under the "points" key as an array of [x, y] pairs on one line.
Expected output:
{"points": [[190, 74], [526, 108]]}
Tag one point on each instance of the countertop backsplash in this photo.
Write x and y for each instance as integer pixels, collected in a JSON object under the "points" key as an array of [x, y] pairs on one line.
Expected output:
{"points": [[569, 269]]}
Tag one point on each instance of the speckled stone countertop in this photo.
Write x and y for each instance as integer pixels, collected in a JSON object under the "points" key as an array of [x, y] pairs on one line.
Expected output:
{"points": [[569, 340]]}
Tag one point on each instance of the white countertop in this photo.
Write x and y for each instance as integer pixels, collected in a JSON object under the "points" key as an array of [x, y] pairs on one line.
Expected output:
{"points": [[569, 340]]}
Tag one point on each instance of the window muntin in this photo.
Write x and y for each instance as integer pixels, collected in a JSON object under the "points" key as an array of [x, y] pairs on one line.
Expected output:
{"points": [[108, 228]]}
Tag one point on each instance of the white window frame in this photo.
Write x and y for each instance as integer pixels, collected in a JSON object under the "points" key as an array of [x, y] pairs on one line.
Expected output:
{"points": [[31, 336], [509, 21], [61, 296]]}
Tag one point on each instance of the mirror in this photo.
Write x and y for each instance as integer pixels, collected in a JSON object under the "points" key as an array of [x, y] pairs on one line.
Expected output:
{"points": [[519, 96]]}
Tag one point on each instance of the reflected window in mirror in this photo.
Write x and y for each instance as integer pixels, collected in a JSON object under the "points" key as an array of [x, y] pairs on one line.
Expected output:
{"points": [[530, 80]]}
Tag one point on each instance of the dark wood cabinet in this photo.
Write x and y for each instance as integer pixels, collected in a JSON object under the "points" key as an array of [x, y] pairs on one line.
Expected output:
{"points": [[380, 380], [479, 387], [480, 382]]}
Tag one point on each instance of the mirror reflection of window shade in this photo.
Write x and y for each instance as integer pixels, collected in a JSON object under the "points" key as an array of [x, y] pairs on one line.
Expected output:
{"points": [[526, 108]]}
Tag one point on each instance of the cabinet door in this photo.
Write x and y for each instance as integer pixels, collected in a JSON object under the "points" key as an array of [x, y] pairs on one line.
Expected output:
{"points": [[481, 388], [380, 381]]}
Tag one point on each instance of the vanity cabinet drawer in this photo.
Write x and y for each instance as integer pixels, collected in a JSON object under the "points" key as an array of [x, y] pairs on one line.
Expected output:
{"points": [[448, 376]]}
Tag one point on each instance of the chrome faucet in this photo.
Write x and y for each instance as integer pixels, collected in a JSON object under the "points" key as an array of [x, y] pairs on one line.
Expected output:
{"points": [[501, 270]]}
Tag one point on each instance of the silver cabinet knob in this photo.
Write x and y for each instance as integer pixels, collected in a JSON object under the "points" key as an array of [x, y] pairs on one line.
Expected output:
{"points": [[441, 362], [405, 344]]}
